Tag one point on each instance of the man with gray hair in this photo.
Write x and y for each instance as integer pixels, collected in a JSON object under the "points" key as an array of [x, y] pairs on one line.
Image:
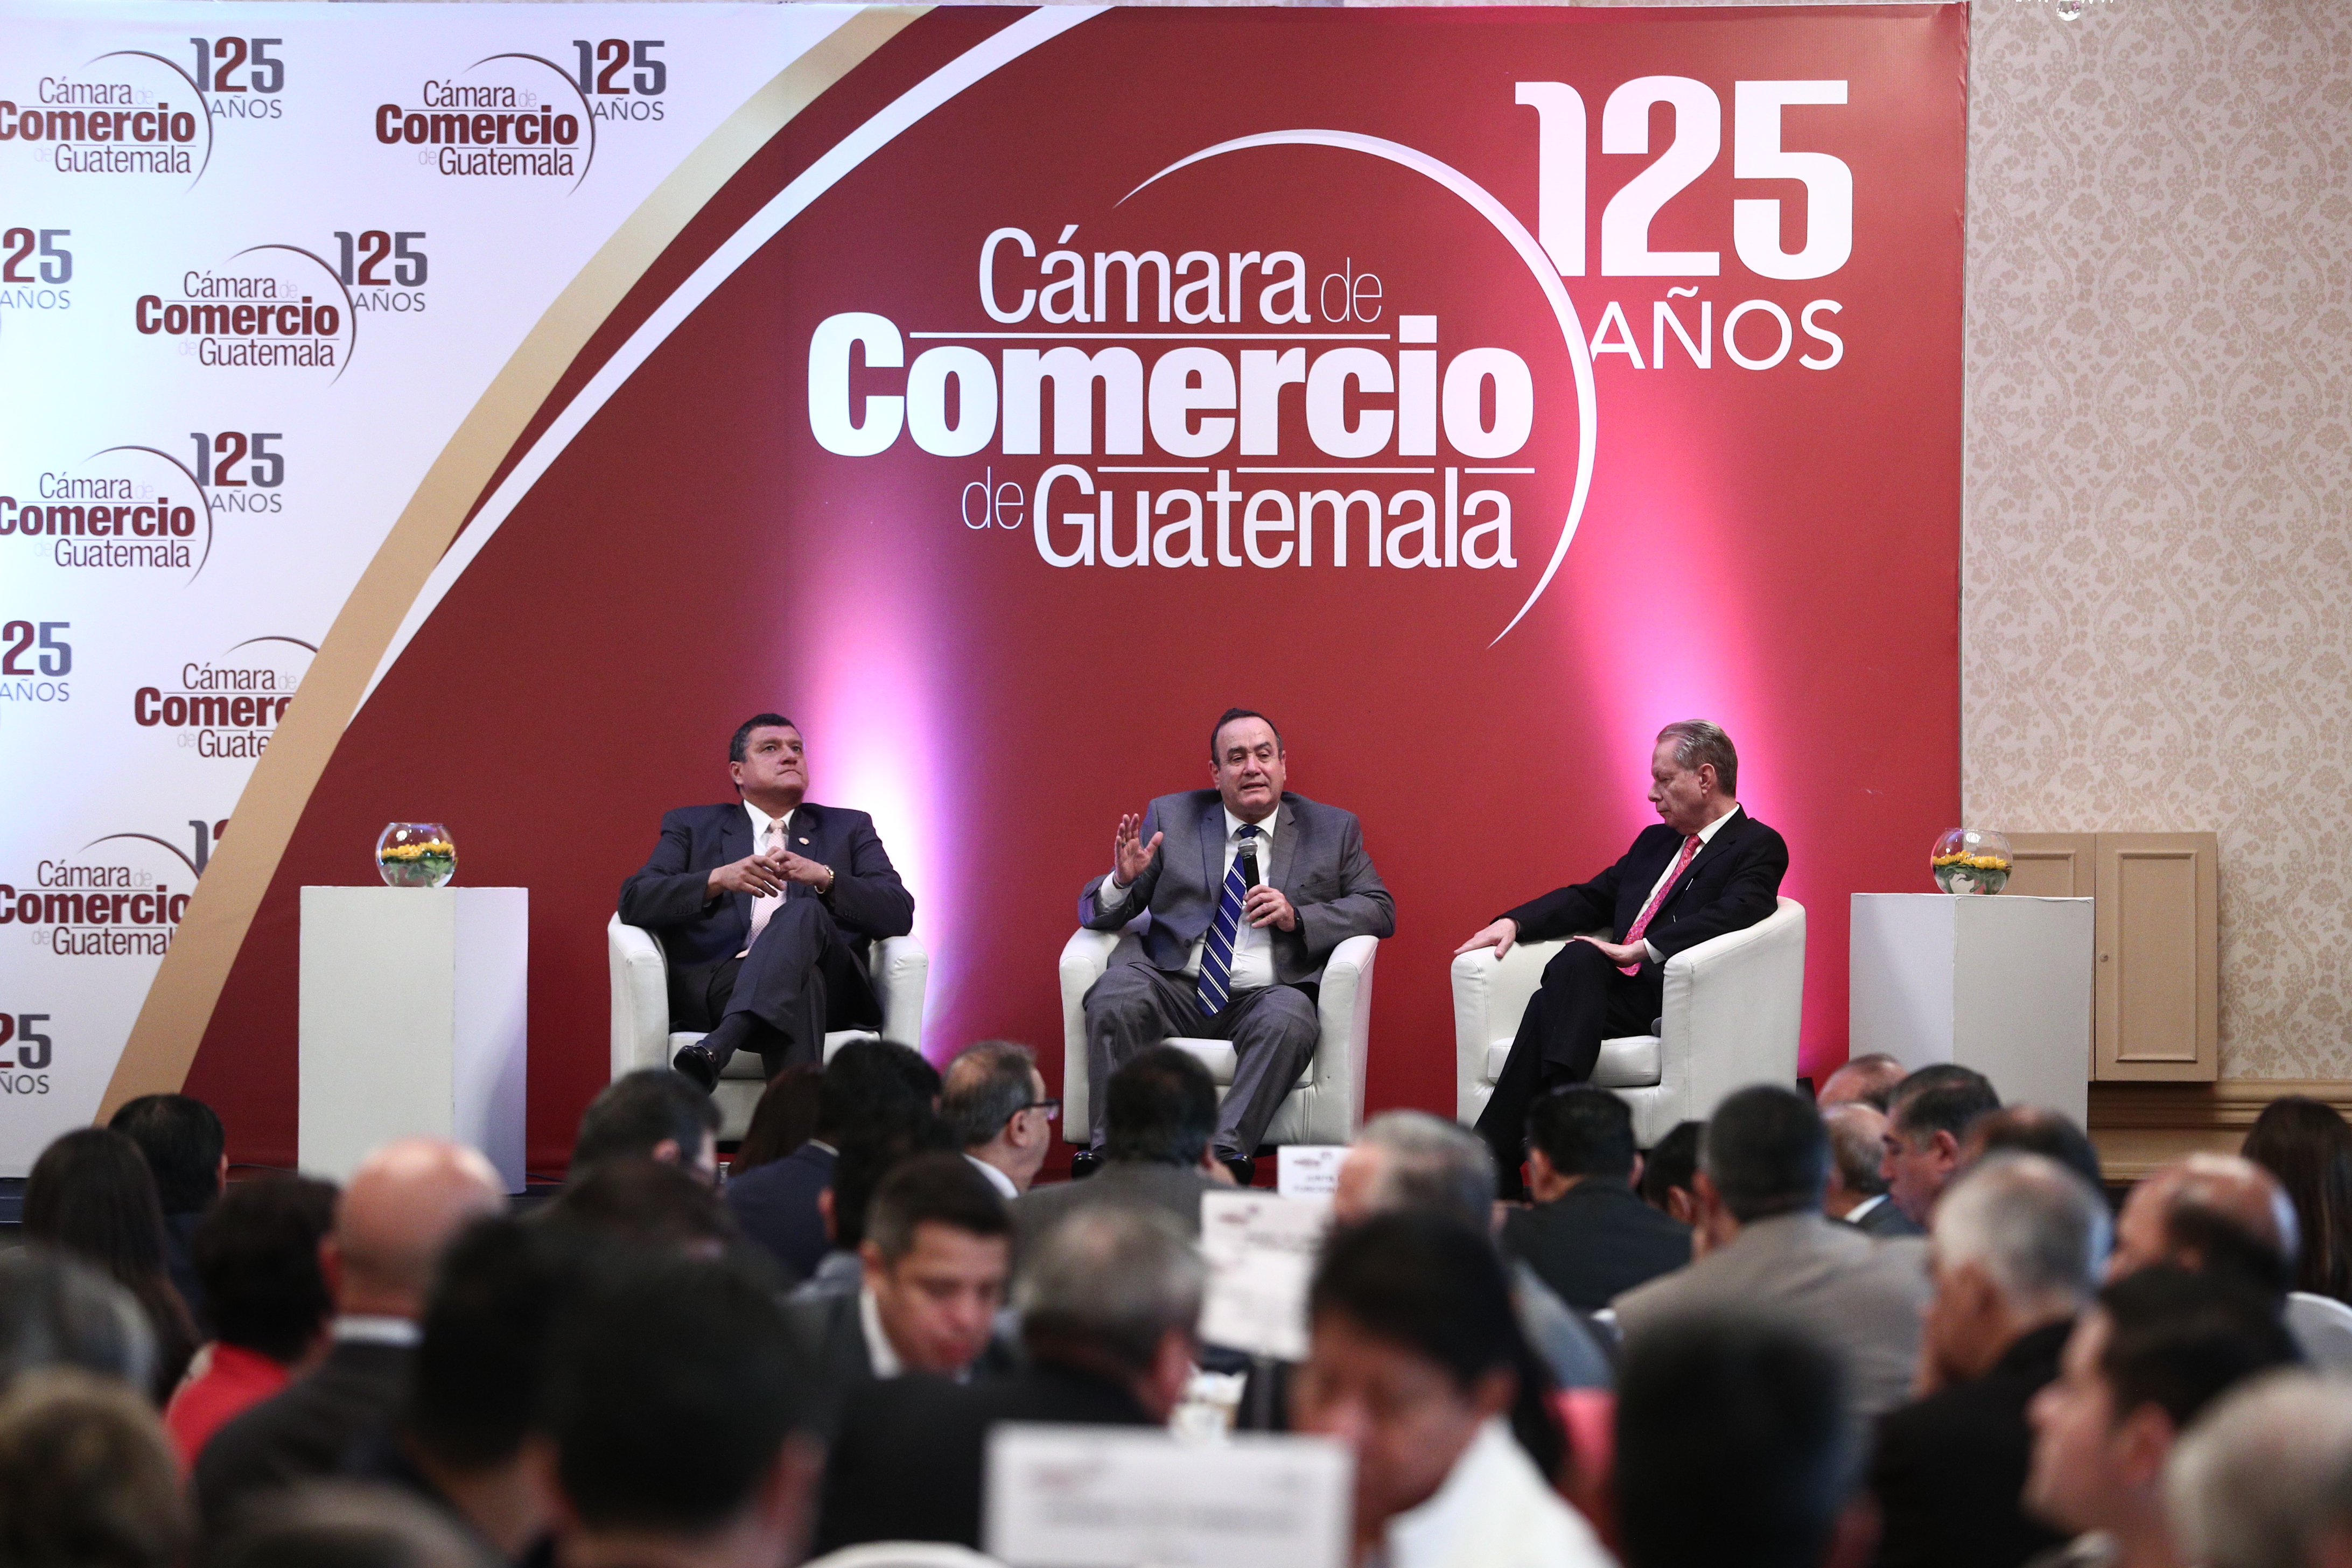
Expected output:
{"points": [[2265, 1479], [1856, 1192], [1408, 1161], [2018, 1245], [1706, 869], [994, 1098], [1108, 1299]]}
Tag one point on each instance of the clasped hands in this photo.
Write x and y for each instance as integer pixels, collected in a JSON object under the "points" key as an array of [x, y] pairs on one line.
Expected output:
{"points": [[1505, 933], [764, 876], [1131, 857]]}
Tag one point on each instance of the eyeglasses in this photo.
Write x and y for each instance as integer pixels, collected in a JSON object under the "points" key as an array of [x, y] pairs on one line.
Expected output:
{"points": [[1052, 1108]]}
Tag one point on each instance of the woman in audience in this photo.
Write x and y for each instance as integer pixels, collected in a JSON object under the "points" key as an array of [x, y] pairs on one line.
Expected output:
{"points": [[2307, 1146], [91, 1195], [257, 1255], [86, 1477], [784, 1119], [1418, 1364]]}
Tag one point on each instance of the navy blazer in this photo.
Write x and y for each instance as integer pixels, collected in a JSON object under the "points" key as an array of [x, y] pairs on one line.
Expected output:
{"points": [[1730, 884]]}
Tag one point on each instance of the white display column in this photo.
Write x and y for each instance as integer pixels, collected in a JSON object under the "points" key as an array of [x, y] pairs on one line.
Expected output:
{"points": [[412, 1022], [1996, 983]]}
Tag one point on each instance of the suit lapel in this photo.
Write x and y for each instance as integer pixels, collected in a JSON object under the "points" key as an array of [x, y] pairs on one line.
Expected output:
{"points": [[734, 843], [1212, 848], [1284, 854], [1714, 848]]}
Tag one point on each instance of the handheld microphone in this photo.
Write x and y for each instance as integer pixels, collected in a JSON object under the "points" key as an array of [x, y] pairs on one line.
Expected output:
{"points": [[1247, 861]]}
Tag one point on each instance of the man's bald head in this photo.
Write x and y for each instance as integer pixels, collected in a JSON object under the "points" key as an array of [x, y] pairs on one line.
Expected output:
{"points": [[397, 1213], [1865, 1080], [2210, 1212]]}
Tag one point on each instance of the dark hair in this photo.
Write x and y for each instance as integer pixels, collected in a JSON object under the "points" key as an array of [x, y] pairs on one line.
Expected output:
{"points": [[55, 1310], [475, 1387], [1160, 1108], [2306, 1144], [2227, 1249], [346, 1524], [1757, 1408], [86, 1478], [671, 1388], [985, 1087], [876, 1147], [1430, 1284], [871, 1078], [182, 1141], [1944, 1098], [258, 1255], [1878, 1065], [1766, 1153], [2037, 1130], [736, 747], [2178, 1339], [1671, 1163], [640, 1110], [90, 1193], [937, 1188], [1231, 714], [784, 1120], [1583, 1131], [643, 1202]]}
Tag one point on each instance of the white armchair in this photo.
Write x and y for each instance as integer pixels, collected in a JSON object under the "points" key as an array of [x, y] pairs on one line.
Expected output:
{"points": [[642, 1037], [1328, 1104], [1731, 1012]]}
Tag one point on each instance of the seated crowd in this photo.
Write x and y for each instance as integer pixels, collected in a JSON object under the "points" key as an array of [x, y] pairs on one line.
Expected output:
{"points": [[1902, 1325]]}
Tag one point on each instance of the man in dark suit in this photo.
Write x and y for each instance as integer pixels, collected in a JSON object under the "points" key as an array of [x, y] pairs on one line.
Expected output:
{"points": [[398, 1212], [765, 907], [1856, 1192], [1249, 888], [1707, 868], [2017, 1252], [186, 1148], [1589, 1236], [1107, 1308], [1927, 1127], [1160, 1109]]}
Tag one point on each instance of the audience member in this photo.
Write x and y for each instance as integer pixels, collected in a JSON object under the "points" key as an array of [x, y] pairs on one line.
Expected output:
{"points": [[994, 1098], [346, 1524], [1926, 1121], [1863, 1080], [1768, 1249], [1668, 1172], [2034, 1130], [87, 1479], [1107, 1301], [1411, 1161], [1159, 1115], [776, 1203], [2305, 1144], [869, 1154], [391, 1222], [55, 1310], [935, 1254], [1417, 1363], [645, 1202], [1735, 1447], [2018, 1245], [2210, 1213], [1856, 1190], [2152, 1352], [187, 1152], [653, 1113], [258, 1255], [674, 1404], [90, 1193], [1588, 1236], [2263, 1479], [784, 1119]]}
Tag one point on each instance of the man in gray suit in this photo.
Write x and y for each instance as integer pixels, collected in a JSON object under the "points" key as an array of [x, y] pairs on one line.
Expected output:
{"points": [[1248, 889], [1768, 1248]]}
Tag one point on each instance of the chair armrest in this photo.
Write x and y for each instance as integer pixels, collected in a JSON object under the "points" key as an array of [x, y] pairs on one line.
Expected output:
{"points": [[1742, 992], [1490, 995], [1083, 958], [901, 967], [1342, 1054], [640, 997]]}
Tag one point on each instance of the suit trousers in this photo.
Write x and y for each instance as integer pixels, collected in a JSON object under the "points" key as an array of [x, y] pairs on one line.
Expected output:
{"points": [[1273, 1028], [781, 982], [1584, 1000]]}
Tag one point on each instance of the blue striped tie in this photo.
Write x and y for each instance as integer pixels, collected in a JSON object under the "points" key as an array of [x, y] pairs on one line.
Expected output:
{"points": [[1217, 957]]}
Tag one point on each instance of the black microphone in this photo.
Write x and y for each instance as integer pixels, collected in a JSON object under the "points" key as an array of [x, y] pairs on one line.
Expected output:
{"points": [[1247, 861]]}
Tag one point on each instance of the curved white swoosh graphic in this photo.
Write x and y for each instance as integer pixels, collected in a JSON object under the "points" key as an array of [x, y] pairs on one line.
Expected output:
{"points": [[1547, 278]]}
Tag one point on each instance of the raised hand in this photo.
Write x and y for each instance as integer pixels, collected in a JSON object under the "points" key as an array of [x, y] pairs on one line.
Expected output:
{"points": [[1129, 856], [1498, 936]]}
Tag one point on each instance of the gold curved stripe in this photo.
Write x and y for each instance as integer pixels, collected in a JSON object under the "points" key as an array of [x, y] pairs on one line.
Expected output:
{"points": [[179, 1005]]}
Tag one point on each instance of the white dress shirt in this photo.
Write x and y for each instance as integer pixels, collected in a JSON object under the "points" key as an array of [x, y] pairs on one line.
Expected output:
{"points": [[359, 1329], [1854, 1216], [996, 1178], [1252, 964], [1495, 1511], [762, 908], [1705, 835], [878, 1348]]}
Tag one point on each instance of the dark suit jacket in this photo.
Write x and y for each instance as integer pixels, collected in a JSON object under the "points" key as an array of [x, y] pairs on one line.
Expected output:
{"points": [[776, 1205], [666, 895], [323, 1423], [1174, 1190], [1886, 1219], [910, 1461], [180, 1263], [1595, 1241], [1948, 1468], [1729, 885], [1317, 862]]}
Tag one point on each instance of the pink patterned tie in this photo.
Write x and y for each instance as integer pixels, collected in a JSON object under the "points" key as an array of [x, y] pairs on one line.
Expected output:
{"points": [[1690, 848]]}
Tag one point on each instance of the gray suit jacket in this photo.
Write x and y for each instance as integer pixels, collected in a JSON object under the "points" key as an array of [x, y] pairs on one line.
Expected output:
{"points": [[1174, 1190], [1317, 863], [1860, 1295]]}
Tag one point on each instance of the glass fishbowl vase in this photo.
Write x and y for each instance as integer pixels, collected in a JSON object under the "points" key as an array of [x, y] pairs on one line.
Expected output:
{"points": [[1970, 860], [416, 855]]}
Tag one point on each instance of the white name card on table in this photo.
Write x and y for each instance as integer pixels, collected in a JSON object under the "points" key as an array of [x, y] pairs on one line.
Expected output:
{"points": [[1260, 1248], [1307, 1170], [1102, 1497]]}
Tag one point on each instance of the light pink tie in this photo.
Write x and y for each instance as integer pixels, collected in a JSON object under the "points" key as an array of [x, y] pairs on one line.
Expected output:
{"points": [[1690, 848], [763, 907]]}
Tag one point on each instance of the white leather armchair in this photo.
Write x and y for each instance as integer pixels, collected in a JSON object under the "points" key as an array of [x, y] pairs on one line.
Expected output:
{"points": [[642, 1037], [1328, 1104], [1731, 1012]]}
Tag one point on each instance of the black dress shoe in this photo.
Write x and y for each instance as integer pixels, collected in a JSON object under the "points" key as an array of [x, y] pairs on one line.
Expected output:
{"points": [[699, 1065], [1084, 1163], [1244, 1170]]}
